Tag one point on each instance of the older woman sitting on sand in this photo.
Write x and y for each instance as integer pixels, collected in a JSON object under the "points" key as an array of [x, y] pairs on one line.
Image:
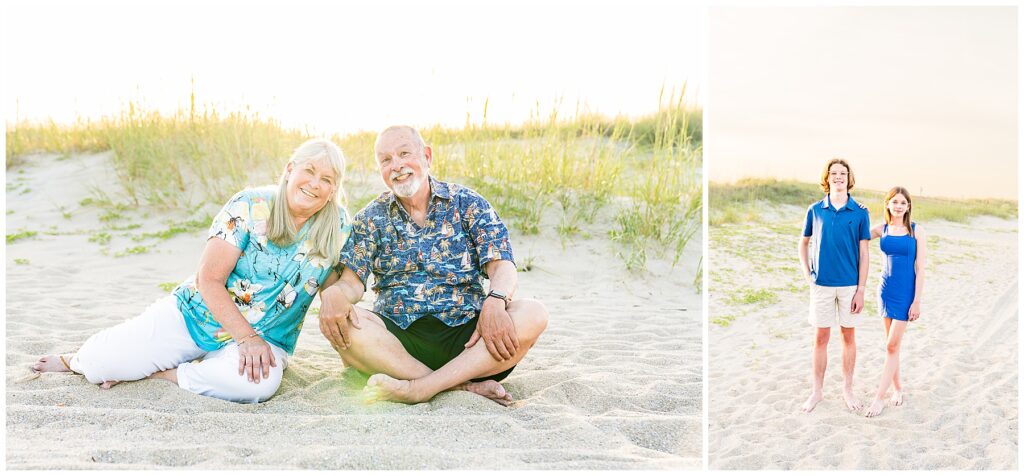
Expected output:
{"points": [[267, 254]]}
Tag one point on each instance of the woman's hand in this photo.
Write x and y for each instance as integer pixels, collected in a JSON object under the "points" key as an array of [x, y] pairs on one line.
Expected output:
{"points": [[255, 357], [915, 311]]}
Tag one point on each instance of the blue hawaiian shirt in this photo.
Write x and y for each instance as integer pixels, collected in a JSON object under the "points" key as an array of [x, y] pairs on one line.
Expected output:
{"points": [[437, 269], [271, 286]]}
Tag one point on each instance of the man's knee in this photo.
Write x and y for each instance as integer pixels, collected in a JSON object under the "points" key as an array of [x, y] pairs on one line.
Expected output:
{"points": [[849, 338], [531, 313], [367, 323]]}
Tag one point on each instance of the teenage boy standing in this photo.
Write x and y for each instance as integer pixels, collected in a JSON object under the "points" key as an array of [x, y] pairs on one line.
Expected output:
{"points": [[834, 258]]}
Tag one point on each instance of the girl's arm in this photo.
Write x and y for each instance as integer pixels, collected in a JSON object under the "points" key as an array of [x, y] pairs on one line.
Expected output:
{"points": [[876, 231], [919, 265]]}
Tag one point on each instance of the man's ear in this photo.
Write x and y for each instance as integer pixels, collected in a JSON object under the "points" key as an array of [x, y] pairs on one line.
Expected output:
{"points": [[428, 154]]}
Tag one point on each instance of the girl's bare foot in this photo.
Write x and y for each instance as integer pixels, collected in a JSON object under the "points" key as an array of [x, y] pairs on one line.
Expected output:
{"points": [[876, 408], [897, 398]]}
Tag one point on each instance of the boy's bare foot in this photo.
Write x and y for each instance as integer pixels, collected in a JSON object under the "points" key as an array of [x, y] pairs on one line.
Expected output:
{"points": [[852, 402], [811, 402]]}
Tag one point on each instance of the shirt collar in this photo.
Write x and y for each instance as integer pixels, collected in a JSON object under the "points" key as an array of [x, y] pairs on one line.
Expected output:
{"points": [[825, 203]]}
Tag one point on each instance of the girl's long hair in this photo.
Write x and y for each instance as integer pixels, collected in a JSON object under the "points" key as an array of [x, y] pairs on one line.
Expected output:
{"points": [[897, 190], [325, 229]]}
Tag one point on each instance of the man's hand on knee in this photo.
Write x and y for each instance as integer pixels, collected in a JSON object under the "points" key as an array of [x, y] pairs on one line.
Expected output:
{"points": [[498, 331]]}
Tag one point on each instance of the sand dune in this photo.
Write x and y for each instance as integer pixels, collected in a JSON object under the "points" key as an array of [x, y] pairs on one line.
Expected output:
{"points": [[958, 365], [615, 382]]}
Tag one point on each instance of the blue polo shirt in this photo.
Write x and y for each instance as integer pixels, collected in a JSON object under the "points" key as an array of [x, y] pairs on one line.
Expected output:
{"points": [[834, 251]]}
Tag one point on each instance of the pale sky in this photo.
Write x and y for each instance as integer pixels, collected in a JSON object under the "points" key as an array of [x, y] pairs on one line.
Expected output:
{"points": [[343, 67], [924, 97]]}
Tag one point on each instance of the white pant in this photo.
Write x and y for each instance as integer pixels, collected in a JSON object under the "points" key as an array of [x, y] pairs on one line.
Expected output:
{"points": [[158, 340]]}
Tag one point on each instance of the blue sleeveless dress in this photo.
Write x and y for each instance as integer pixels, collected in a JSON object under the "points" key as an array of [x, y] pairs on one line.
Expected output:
{"points": [[896, 292]]}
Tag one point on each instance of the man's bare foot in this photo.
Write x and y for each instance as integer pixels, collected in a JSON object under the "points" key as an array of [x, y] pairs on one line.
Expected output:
{"points": [[876, 408], [51, 363], [490, 389], [383, 387], [109, 383], [852, 402], [812, 401], [897, 398]]}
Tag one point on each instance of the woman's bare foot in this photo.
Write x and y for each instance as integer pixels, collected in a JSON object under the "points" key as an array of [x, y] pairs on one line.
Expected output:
{"points": [[52, 363], [897, 398], [109, 383], [490, 389], [876, 408], [170, 375]]}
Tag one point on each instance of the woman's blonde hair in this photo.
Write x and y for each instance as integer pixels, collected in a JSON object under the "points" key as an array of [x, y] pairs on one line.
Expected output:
{"points": [[897, 190], [325, 226]]}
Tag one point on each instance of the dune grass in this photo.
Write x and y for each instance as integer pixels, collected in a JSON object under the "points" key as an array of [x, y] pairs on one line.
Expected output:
{"points": [[746, 200], [644, 172]]}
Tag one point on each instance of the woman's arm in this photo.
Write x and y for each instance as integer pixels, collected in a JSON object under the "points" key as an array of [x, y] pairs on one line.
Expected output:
{"points": [[219, 258], [920, 263]]}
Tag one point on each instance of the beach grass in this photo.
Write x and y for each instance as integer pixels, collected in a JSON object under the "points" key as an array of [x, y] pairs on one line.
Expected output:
{"points": [[642, 171], [746, 200]]}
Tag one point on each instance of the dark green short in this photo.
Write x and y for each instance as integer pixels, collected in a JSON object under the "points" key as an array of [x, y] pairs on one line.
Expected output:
{"points": [[432, 342]]}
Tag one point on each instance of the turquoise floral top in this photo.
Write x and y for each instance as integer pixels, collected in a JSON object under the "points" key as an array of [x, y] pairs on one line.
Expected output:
{"points": [[271, 286]]}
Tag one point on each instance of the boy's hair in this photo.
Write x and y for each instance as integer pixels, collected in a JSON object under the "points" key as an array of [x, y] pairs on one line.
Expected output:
{"points": [[849, 174]]}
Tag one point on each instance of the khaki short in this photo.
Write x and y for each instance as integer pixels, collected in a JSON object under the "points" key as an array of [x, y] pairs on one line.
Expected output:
{"points": [[830, 306]]}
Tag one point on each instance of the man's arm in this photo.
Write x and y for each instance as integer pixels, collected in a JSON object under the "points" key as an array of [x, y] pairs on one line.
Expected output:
{"points": [[503, 275], [336, 307], [494, 324], [862, 279]]}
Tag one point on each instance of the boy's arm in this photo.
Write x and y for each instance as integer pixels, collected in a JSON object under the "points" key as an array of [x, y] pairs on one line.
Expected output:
{"points": [[804, 245], [802, 249]]}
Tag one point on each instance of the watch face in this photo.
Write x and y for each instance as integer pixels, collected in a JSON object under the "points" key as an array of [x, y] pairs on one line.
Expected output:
{"points": [[498, 295]]}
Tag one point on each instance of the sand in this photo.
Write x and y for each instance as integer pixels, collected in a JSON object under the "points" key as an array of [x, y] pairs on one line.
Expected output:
{"points": [[958, 362], [615, 382]]}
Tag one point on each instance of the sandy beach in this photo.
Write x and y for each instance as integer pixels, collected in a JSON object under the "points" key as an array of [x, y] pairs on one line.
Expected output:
{"points": [[958, 362], [614, 383]]}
